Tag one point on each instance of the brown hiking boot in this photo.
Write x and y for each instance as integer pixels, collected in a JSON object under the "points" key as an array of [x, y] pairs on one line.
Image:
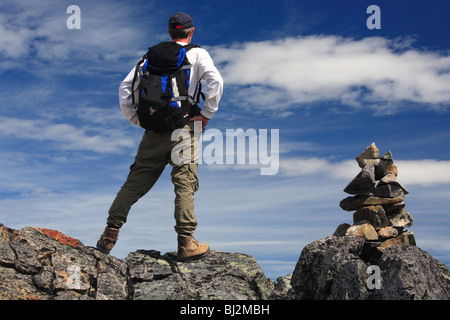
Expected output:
{"points": [[189, 249], [107, 239]]}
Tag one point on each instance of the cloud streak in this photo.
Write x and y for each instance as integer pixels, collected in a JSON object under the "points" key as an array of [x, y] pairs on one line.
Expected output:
{"points": [[105, 38], [66, 136], [374, 72], [426, 172]]}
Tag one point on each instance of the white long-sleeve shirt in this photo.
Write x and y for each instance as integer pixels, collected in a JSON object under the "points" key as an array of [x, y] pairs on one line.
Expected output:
{"points": [[203, 68]]}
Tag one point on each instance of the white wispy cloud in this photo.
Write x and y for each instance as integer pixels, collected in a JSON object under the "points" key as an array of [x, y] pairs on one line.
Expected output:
{"points": [[426, 172], [106, 35], [66, 136], [375, 72]]}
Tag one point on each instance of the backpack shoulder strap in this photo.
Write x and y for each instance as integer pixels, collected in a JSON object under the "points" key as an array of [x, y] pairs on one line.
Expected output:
{"points": [[191, 46], [198, 89]]}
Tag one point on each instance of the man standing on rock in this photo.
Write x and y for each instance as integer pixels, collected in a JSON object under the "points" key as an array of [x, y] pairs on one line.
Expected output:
{"points": [[155, 149]]}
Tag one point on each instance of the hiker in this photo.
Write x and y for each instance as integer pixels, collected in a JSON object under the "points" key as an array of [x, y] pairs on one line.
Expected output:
{"points": [[155, 149]]}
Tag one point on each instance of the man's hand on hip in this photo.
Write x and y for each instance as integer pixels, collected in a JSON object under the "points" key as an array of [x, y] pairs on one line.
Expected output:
{"points": [[202, 119]]}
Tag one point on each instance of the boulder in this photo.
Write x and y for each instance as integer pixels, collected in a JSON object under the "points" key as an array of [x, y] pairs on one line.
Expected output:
{"points": [[394, 208], [390, 179], [401, 219], [364, 230], [218, 276], [359, 201], [363, 183], [387, 232], [371, 152], [409, 273], [373, 214], [405, 238], [388, 191], [336, 268], [321, 263]]}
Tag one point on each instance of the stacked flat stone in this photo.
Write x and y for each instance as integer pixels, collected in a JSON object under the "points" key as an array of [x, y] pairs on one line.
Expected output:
{"points": [[378, 201]]}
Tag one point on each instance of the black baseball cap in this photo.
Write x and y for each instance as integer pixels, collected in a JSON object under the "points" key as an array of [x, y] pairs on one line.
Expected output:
{"points": [[180, 20]]}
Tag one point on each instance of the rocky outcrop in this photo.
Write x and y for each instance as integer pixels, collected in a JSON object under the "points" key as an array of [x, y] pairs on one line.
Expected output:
{"points": [[42, 264], [219, 276], [334, 268], [376, 258]]}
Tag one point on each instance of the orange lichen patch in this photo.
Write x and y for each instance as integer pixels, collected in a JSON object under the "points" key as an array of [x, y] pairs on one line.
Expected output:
{"points": [[7, 234], [28, 295], [60, 237]]}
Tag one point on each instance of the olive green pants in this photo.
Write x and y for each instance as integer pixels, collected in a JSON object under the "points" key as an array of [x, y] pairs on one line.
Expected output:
{"points": [[156, 150]]}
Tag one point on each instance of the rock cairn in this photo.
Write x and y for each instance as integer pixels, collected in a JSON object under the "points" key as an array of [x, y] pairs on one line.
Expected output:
{"points": [[377, 198]]}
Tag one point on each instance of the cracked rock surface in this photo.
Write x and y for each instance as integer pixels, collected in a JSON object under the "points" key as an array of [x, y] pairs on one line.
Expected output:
{"points": [[41, 264], [336, 268], [218, 276]]}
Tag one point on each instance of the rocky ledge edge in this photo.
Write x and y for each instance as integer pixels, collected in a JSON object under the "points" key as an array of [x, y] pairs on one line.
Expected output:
{"points": [[43, 264]]}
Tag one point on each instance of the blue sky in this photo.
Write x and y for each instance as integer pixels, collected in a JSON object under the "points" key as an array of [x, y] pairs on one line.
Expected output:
{"points": [[311, 69]]}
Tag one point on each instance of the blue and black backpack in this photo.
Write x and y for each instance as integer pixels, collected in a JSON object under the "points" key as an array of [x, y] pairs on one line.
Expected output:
{"points": [[160, 88]]}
